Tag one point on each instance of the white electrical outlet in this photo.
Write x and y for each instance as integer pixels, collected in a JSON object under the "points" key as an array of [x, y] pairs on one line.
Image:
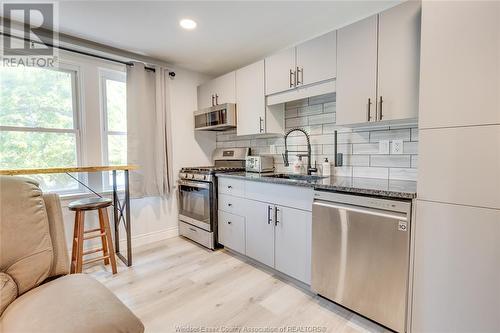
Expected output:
{"points": [[383, 147], [397, 147], [272, 149]]}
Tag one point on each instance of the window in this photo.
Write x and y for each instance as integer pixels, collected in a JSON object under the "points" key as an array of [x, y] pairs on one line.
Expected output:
{"points": [[39, 124], [114, 106]]}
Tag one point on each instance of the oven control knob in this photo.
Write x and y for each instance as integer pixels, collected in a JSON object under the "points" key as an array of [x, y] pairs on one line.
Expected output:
{"points": [[192, 176]]}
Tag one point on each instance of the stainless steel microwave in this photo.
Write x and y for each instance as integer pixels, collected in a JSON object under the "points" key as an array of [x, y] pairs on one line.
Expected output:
{"points": [[216, 118]]}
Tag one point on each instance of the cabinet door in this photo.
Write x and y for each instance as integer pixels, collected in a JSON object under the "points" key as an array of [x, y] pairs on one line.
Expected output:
{"points": [[259, 231], [456, 272], [225, 88], [398, 62], [278, 67], [205, 93], [250, 99], [317, 59], [231, 231], [357, 72], [293, 243], [460, 76]]}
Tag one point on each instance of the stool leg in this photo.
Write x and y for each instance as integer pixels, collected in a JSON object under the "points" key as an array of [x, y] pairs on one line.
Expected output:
{"points": [[104, 242], [74, 247], [103, 213], [79, 254]]}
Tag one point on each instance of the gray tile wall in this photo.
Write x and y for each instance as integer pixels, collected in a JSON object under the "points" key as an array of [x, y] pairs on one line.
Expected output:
{"points": [[360, 145]]}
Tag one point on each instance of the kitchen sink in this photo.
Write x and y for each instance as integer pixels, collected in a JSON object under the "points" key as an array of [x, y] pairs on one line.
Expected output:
{"points": [[308, 178]]}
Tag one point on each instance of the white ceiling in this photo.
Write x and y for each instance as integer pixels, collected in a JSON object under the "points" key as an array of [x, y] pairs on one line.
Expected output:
{"points": [[229, 33]]}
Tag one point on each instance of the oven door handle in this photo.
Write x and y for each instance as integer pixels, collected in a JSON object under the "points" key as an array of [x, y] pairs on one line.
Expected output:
{"points": [[194, 184]]}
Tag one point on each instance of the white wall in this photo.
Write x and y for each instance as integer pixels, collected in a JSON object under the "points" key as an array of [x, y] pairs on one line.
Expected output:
{"points": [[152, 218]]}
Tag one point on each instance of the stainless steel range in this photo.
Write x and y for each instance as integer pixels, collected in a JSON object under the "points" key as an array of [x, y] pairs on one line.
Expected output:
{"points": [[198, 195]]}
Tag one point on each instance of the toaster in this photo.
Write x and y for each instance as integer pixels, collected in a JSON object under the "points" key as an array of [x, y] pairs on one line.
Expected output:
{"points": [[259, 164]]}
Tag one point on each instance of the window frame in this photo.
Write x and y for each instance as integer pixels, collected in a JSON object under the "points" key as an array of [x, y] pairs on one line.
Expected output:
{"points": [[75, 75], [104, 75]]}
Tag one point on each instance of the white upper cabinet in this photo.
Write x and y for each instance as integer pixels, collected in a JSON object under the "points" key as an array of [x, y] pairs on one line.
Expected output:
{"points": [[250, 99], [398, 62], [460, 77], [225, 88], [357, 72], [378, 67], [206, 95], [311, 62], [316, 59], [217, 91], [280, 69]]}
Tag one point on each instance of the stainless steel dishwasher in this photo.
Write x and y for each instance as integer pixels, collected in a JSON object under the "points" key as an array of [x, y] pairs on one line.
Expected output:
{"points": [[361, 255]]}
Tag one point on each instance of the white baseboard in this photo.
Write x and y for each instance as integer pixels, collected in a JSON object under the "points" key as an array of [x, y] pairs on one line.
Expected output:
{"points": [[139, 240], [150, 237]]}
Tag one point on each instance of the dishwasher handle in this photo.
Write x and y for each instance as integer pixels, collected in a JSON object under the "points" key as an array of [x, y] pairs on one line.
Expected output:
{"points": [[362, 210]]}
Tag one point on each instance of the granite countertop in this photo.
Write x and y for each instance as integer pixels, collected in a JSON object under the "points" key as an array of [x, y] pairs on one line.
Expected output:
{"points": [[402, 189]]}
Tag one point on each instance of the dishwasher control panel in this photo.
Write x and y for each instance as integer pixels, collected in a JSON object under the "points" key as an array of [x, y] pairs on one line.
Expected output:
{"points": [[364, 201]]}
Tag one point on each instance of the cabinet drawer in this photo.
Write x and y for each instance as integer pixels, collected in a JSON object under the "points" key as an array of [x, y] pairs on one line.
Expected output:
{"points": [[232, 231], [232, 186], [284, 195], [200, 236], [232, 204]]}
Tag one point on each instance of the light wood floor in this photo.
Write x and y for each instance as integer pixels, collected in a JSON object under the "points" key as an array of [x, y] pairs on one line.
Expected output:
{"points": [[177, 284]]}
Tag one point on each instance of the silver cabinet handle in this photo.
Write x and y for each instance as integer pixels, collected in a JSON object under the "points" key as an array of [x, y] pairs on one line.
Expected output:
{"points": [[269, 218], [216, 99], [368, 106], [192, 229], [261, 128], [380, 108], [276, 210], [301, 72], [292, 83], [213, 100]]}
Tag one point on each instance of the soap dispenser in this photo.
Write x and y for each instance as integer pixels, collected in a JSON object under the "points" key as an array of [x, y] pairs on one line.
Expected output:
{"points": [[326, 167]]}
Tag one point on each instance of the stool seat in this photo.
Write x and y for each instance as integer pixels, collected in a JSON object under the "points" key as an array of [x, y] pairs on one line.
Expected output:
{"points": [[89, 204]]}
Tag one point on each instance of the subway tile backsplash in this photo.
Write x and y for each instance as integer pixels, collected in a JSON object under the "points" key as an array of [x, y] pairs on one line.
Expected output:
{"points": [[360, 145]]}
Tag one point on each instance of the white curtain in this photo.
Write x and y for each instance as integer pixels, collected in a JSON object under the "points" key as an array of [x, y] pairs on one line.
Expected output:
{"points": [[148, 131]]}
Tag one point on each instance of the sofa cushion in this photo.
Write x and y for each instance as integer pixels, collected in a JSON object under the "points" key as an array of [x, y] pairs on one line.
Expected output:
{"points": [[25, 244], [72, 304], [8, 291]]}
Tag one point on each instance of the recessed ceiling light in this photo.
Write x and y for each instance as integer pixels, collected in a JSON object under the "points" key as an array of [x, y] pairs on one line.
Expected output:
{"points": [[187, 24]]}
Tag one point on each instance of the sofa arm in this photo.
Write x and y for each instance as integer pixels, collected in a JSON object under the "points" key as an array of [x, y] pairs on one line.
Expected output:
{"points": [[60, 265]]}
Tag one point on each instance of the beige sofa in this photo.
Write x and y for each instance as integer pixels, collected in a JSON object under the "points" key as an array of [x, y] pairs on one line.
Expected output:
{"points": [[36, 294]]}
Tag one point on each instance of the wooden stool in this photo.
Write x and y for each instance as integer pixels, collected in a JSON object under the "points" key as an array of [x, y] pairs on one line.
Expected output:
{"points": [[80, 235]]}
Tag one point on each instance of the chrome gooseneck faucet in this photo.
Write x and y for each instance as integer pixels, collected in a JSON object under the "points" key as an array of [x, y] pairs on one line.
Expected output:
{"points": [[310, 169]]}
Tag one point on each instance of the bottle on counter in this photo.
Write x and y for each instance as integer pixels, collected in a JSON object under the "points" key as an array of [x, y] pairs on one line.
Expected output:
{"points": [[326, 168], [297, 166]]}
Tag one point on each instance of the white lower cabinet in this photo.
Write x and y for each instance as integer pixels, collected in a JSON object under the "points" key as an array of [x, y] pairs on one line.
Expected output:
{"points": [[292, 243], [456, 285], [276, 233], [232, 231], [259, 231]]}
